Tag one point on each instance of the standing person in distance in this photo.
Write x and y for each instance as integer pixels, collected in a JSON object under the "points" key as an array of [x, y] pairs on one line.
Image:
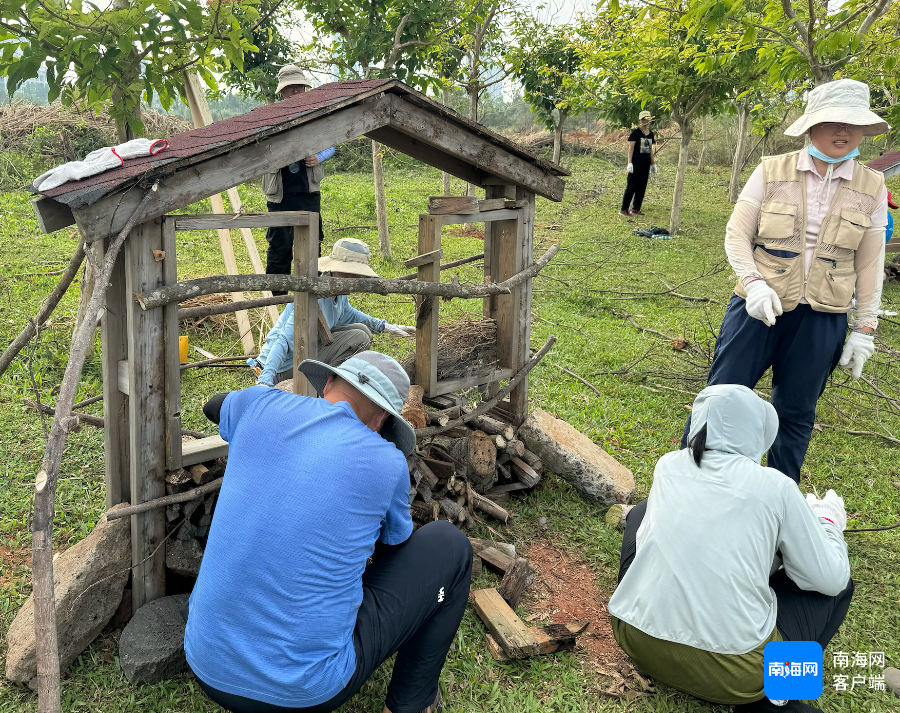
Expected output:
{"points": [[641, 165], [806, 233], [294, 187]]}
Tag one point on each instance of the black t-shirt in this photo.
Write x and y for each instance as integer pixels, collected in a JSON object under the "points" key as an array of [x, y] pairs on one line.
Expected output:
{"points": [[294, 178], [643, 147]]}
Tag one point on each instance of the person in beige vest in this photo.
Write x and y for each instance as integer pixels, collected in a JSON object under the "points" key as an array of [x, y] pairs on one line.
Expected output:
{"points": [[806, 236]]}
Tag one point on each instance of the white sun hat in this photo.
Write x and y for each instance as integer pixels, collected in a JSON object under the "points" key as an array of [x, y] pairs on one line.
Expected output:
{"points": [[845, 101], [348, 255], [291, 74]]}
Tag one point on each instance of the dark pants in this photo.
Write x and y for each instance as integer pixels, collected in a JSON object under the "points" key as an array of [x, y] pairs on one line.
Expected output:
{"points": [[635, 186], [413, 600], [803, 348], [280, 255], [802, 615]]}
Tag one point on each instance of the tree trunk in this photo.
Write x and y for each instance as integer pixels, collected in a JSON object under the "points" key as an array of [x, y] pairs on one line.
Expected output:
{"points": [[734, 185], [558, 136], [384, 238], [445, 177], [701, 160], [675, 216], [87, 284]]}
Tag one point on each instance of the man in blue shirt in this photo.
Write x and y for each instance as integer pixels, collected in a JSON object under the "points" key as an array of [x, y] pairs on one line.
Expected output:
{"points": [[351, 329], [285, 615]]}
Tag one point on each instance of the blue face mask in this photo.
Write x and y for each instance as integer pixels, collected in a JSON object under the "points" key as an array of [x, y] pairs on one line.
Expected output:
{"points": [[814, 152]]}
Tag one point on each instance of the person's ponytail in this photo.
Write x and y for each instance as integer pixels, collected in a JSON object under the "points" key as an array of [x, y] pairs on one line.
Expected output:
{"points": [[697, 445]]}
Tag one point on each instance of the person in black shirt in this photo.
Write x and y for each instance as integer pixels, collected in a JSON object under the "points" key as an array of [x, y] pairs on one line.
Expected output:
{"points": [[641, 163]]}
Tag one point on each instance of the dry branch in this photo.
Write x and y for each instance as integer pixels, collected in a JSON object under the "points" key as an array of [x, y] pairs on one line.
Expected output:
{"points": [[229, 307], [97, 421], [446, 266], [330, 286], [188, 495]]}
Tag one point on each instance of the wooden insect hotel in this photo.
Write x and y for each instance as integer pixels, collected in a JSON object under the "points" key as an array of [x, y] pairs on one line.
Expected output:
{"points": [[141, 370]]}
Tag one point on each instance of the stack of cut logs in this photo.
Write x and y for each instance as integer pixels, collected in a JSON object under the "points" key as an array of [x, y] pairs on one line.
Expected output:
{"points": [[469, 469]]}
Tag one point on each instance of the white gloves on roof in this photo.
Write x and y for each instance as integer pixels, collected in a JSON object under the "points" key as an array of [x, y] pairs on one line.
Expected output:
{"points": [[831, 507], [97, 162], [857, 350], [762, 302], [399, 330]]}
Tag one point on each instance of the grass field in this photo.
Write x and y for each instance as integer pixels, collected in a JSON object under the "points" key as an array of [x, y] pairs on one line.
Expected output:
{"points": [[636, 411]]}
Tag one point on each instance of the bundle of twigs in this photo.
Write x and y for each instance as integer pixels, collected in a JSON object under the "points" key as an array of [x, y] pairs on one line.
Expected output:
{"points": [[466, 347], [218, 321]]}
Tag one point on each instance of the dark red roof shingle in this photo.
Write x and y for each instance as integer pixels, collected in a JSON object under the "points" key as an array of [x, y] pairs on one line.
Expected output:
{"points": [[886, 160]]}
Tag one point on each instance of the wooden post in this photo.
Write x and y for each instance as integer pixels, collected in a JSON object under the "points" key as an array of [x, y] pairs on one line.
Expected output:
{"points": [[306, 305], [492, 262], [173, 363], [114, 342], [146, 412], [427, 323], [518, 399], [506, 261]]}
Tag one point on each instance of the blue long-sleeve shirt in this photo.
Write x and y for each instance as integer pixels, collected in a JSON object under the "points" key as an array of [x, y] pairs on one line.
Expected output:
{"points": [[277, 354]]}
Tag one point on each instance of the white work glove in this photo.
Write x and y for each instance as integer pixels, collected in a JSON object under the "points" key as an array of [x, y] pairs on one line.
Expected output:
{"points": [[94, 163], [831, 507], [653, 169], [399, 330], [630, 168], [762, 302], [859, 347]]}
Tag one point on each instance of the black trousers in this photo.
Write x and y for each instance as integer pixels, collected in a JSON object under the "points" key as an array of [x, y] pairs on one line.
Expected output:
{"points": [[413, 600], [803, 348], [280, 255], [802, 615], [635, 187]]}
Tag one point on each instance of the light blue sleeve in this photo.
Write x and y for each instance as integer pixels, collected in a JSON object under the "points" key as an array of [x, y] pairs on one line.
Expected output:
{"points": [[233, 408], [397, 525], [279, 343], [351, 315], [325, 154]]}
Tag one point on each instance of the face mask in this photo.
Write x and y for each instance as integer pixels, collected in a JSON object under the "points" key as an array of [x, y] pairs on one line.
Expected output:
{"points": [[813, 151]]}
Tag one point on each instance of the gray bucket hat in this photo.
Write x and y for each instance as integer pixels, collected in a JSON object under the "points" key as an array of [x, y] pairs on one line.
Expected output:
{"points": [[845, 101], [380, 379], [291, 74]]}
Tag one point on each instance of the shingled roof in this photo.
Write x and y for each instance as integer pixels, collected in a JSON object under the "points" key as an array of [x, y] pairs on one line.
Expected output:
{"points": [[888, 163], [192, 147]]}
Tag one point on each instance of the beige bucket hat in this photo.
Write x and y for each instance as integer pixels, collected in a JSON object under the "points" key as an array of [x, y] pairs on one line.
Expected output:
{"points": [[645, 115], [845, 101], [348, 255], [291, 74]]}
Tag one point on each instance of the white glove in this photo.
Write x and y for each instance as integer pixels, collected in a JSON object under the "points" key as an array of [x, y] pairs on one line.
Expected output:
{"points": [[831, 507], [859, 347], [653, 169], [630, 168], [762, 302], [399, 330], [97, 162]]}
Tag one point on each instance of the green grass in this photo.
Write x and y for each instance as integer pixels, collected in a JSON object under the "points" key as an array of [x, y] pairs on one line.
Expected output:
{"points": [[633, 417]]}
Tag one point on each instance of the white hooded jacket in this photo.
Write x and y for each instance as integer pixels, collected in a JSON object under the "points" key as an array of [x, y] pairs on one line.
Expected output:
{"points": [[706, 546]]}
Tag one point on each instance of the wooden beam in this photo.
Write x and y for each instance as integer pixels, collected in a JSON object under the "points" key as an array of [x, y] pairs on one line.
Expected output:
{"points": [[114, 346], [201, 180], [242, 220], [507, 629], [146, 413], [202, 450], [424, 259], [306, 304], [521, 302], [449, 205], [429, 307], [325, 336], [480, 217], [447, 266], [463, 145], [173, 362], [446, 386], [51, 215]]}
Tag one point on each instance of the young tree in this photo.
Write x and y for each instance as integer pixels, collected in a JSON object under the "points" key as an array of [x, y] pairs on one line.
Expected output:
{"points": [[382, 38], [118, 56]]}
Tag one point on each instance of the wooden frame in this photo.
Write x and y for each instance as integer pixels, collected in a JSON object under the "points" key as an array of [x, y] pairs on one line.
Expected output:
{"points": [[306, 304]]}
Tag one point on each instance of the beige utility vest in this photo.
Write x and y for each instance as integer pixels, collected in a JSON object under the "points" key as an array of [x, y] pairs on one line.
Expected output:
{"points": [[831, 281]]}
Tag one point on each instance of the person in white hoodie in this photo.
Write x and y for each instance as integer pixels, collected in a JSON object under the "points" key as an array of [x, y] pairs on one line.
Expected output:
{"points": [[724, 556]]}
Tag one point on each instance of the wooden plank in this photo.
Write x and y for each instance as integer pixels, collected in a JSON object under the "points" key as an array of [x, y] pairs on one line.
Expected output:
{"points": [[306, 306], [427, 328], [507, 250], [242, 220], [202, 450], [507, 629], [892, 247], [114, 342], [524, 472], [122, 376], [506, 488], [488, 204], [450, 205], [251, 160], [411, 146], [51, 215], [464, 145], [173, 363], [146, 407], [515, 580], [325, 336], [495, 559], [445, 386], [480, 217], [424, 259], [522, 294]]}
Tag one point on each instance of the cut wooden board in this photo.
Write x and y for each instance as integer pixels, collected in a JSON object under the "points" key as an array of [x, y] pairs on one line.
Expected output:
{"points": [[492, 204], [450, 205], [434, 255], [496, 560], [510, 632], [551, 638]]}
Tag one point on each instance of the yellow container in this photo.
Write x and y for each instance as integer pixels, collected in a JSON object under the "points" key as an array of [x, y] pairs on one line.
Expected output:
{"points": [[182, 349]]}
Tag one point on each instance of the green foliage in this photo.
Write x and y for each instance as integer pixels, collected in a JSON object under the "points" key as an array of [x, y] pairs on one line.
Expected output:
{"points": [[122, 55]]}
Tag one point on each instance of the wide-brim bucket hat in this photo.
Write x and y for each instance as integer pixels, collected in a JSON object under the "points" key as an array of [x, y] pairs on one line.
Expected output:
{"points": [[645, 115], [348, 255], [380, 379], [291, 74], [845, 101]]}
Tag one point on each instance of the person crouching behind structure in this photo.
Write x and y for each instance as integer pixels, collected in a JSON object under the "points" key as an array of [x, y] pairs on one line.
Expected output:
{"points": [[700, 589], [807, 230], [285, 615], [351, 329]]}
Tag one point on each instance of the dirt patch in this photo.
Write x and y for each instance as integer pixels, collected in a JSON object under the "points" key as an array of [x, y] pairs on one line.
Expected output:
{"points": [[10, 561], [461, 231]]}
